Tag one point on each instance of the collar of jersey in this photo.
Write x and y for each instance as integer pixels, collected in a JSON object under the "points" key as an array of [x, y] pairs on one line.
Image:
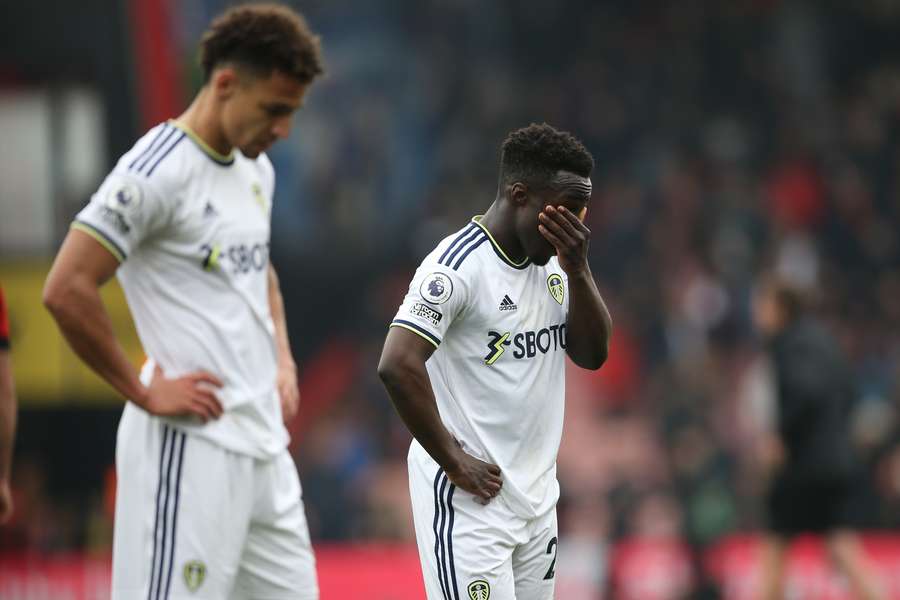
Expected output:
{"points": [[216, 157], [497, 249]]}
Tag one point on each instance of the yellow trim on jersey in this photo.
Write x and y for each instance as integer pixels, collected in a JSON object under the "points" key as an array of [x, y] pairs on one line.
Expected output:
{"points": [[418, 333], [477, 220], [216, 156], [94, 233]]}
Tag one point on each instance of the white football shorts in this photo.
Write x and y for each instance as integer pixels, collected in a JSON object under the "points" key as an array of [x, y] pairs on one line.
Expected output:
{"points": [[470, 551], [195, 521]]}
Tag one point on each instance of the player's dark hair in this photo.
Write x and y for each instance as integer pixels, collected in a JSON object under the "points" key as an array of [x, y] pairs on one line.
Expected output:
{"points": [[262, 38], [535, 154]]}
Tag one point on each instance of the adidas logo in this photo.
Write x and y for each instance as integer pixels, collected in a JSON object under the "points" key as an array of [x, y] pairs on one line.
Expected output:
{"points": [[210, 210], [507, 304]]}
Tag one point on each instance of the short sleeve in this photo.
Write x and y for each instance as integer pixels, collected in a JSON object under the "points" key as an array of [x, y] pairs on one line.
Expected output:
{"points": [[4, 323], [121, 214], [436, 296], [558, 284]]}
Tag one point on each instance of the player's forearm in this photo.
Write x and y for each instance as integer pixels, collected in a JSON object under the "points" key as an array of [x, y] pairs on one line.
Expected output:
{"points": [[276, 307], [410, 390], [7, 415], [589, 324], [81, 316]]}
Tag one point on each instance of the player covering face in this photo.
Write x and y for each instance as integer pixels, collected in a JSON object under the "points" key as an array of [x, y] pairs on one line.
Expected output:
{"points": [[474, 362]]}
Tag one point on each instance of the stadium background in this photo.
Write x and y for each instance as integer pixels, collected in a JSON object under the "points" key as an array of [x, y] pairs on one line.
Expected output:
{"points": [[730, 138]]}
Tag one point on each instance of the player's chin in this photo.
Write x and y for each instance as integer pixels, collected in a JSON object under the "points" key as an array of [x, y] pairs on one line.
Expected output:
{"points": [[253, 150]]}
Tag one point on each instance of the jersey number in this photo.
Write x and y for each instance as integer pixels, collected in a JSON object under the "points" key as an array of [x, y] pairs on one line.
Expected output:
{"points": [[551, 547]]}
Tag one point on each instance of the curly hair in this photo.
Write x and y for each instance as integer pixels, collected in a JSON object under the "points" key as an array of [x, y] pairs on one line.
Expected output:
{"points": [[262, 38], [535, 154]]}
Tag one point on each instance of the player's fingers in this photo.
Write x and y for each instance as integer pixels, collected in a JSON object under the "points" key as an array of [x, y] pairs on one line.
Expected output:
{"points": [[205, 377], [209, 402], [574, 220], [199, 410], [486, 492], [208, 410], [289, 400], [559, 217], [289, 392], [288, 409], [555, 228], [556, 216], [209, 396], [554, 241], [494, 470]]}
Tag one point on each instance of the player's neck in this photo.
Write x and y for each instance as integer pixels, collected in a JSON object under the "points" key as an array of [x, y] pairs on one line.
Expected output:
{"points": [[201, 117], [500, 225]]}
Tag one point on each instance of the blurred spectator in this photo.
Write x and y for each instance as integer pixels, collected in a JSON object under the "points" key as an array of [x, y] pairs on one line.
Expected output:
{"points": [[810, 456]]}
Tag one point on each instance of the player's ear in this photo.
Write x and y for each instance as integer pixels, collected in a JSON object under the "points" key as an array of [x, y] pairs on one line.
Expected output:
{"points": [[517, 193], [224, 81]]}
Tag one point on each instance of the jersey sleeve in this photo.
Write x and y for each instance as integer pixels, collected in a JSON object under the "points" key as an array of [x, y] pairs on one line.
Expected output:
{"points": [[4, 323], [266, 191], [122, 213], [437, 295]]}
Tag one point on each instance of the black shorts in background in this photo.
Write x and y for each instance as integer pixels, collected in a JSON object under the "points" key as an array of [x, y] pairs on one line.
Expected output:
{"points": [[798, 505]]}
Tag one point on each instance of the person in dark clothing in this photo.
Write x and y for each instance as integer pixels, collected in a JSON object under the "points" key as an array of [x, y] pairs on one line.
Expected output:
{"points": [[809, 456]]}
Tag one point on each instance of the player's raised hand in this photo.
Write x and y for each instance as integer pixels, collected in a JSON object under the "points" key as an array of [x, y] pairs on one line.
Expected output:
{"points": [[476, 477], [565, 231], [188, 395], [288, 391]]}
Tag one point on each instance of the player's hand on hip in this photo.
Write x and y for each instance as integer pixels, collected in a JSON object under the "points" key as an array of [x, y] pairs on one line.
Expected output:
{"points": [[6, 501], [565, 231], [188, 395], [477, 477], [288, 391]]}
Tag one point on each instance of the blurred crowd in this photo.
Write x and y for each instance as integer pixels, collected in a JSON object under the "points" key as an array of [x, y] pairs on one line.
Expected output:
{"points": [[732, 139]]}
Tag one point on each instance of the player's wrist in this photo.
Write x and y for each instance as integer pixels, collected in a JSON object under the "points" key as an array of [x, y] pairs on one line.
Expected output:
{"points": [[580, 273], [453, 459], [287, 363], [143, 398]]}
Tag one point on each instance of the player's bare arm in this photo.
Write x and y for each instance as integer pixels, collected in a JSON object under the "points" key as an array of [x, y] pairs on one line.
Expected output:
{"points": [[589, 324], [287, 368], [7, 433], [402, 370], [72, 295]]}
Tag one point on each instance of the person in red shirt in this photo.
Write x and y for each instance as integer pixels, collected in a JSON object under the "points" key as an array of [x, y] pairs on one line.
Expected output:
{"points": [[7, 415]]}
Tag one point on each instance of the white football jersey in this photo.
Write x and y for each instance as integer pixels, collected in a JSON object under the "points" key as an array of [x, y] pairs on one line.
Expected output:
{"points": [[191, 230], [498, 373]]}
